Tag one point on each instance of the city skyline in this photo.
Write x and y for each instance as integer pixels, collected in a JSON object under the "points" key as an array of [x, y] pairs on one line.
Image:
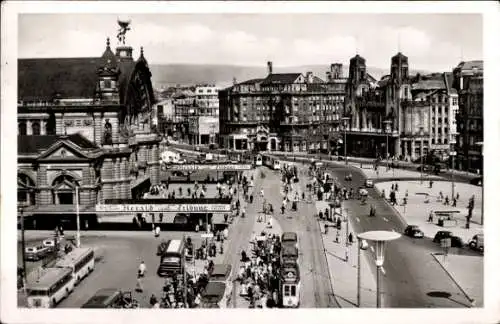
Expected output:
{"points": [[433, 42]]}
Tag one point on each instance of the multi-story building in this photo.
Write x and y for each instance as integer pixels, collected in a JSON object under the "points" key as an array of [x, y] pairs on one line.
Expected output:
{"points": [[431, 108], [183, 110], [204, 125], [468, 80], [283, 111], [86, 124], [400, 115], [373, 109]]}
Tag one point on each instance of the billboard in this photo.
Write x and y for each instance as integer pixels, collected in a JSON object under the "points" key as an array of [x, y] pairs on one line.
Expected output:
{"points": [[161, 208], [210, 167]]}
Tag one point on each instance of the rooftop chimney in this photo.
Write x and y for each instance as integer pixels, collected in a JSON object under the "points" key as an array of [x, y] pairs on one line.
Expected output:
{"points": [[269, 67], [309, 76]]}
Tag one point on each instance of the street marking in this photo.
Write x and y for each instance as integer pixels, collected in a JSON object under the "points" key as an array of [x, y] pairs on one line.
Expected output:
{"points": [[357, 219], [383, 270], [385, 219], [371, 248]]}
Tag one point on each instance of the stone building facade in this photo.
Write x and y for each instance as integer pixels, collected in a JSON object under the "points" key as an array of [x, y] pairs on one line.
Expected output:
{"points": [[86, 123], [283, 112]]}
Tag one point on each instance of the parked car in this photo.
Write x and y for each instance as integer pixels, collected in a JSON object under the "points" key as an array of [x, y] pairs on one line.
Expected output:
{"points": [[36, 253], [477, 242], [477, 181], [414, 231], [455, 240], [369, 183]]}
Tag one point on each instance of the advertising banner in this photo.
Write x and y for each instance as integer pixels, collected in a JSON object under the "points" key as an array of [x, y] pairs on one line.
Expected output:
{"points": [[210, 167], [152, 208]]}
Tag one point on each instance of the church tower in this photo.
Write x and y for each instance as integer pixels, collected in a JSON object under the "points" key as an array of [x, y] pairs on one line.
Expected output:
{"points": [[108, 73]]}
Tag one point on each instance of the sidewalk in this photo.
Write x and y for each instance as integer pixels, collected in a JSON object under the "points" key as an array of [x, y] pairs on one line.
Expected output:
{"points": [[416, 212], [383, 173], [344, 274], [464, 270]]}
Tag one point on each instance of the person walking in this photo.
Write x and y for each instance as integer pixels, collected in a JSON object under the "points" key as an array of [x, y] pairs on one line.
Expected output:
{"points": [[141, 272]]}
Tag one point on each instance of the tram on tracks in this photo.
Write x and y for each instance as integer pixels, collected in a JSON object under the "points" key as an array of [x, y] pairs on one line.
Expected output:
{"points": [[289, 285], [271, 162]]}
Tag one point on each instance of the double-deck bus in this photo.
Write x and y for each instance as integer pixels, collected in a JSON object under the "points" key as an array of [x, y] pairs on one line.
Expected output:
{"points": [[290, 285], [81, 261], [53, 286]]}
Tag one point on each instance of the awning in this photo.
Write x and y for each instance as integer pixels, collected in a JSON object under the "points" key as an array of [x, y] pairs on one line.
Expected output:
{"points": [[61, 209]]}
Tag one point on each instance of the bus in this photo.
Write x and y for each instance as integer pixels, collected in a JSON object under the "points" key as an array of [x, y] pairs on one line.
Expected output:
{"points": [[172, 259], [53, 286], [80, 260], [289, 285], [258, 160], [271, 162]]}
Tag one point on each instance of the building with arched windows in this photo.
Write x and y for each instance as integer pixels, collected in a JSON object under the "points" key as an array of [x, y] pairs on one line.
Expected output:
{"points": [[86, 124]]}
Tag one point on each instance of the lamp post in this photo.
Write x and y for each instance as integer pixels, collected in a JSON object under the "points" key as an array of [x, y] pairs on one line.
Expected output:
{"points": [[346, 218], [380, 238], [421, 133], [482, 167], [344, 123], [77, 218], [23, 246], [387, 128], [359, 273], [452, 154]]}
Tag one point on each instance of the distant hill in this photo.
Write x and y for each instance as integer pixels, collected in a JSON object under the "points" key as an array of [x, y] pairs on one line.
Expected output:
{"points": [[222, 75]]}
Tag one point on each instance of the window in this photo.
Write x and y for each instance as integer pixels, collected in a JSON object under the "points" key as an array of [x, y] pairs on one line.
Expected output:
{"points": [[35, 128], [454, 101], [22, 128]]}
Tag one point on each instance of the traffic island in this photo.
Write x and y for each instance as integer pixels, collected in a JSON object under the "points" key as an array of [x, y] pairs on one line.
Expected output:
{"points": [[342, 262]]}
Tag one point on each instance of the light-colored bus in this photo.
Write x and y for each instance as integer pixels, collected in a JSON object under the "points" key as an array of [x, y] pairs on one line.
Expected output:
{"points": [[53, 286], [172, 259], [80, 260]]}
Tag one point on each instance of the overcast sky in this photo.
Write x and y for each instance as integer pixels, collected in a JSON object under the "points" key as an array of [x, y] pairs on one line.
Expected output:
{"points": [[431, 41]]}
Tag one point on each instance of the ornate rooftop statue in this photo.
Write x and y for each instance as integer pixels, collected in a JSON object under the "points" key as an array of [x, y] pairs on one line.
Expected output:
{"points": [[124, 27]]}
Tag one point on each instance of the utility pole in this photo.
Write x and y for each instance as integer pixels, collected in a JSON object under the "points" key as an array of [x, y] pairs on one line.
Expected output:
{"points": [[77, 218], [359, 273], [23, 246], [184, 273]]}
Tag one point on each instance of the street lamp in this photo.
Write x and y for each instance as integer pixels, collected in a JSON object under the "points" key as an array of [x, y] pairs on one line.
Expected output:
{"points": [[77, 217], [482, 167], [452, 154], [421, 133], [344, 123], [23, 246], [387, 124], [380, 238]]}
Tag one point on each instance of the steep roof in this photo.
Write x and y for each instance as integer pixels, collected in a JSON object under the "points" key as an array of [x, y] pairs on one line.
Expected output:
{"points": [[448, 80], [358, 59], [317, 80], [69, 78], [252, 81], [42, 79], [281, 78], [431, 84], [470, 65], [28, 144]]}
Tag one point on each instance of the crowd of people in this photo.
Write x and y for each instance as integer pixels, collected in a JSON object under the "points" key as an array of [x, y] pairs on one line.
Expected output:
{"points": [[259, 273]]}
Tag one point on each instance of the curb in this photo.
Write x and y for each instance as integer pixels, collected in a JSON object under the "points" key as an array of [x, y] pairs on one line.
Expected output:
{"points": [[471, 300], [326, 259]]}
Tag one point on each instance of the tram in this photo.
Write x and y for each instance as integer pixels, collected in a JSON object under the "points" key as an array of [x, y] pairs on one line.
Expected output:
{"points": [[271, 162], [290, 285], [258, 160]]}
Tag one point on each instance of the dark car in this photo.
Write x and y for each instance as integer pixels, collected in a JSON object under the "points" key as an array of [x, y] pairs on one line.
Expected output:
{"points": [[455, 240], [414, 231], [477, 181]]}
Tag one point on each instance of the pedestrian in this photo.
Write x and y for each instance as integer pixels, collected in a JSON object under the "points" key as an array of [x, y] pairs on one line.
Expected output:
{"points": [[282, 209], [431, 217], [458, 196], [157, 231], [161, 217], [153, 300], [446, 201], [430, 183], [454, 202], [141, 272], [350, 238]]}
